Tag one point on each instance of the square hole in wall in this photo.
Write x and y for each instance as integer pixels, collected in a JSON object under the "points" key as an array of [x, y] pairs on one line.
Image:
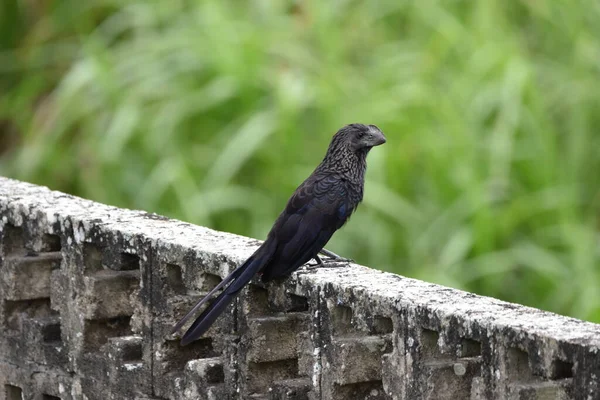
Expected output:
{"points": [[470, 348], [133, 352], [175, 357], [13, 392], [92, 258], [518, 365], [13, 240], [15, 311], [341, 317], [51, 243], [297, 303], [175, 278], [129, 262], [262, 375], [257, 301], [97, 332], [382, 325], [429, 344], [561, 370], [215, 374], [51, 333], [209, 281]]}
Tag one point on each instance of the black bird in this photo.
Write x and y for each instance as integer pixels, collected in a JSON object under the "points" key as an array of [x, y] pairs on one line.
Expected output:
{"points": [[318, 207]]}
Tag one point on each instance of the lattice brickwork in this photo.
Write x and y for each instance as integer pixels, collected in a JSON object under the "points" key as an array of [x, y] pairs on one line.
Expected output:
{"points": [[89, 293]]}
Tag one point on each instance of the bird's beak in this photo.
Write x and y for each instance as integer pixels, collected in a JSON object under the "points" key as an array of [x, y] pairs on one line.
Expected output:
{"points": [[376, 138]]}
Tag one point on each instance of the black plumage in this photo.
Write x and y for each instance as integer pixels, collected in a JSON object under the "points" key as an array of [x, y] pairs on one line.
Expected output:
{"points": [[318, 207]]}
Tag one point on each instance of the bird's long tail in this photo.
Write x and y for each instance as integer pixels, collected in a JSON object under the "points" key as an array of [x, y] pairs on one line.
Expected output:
{"points": [[236, 280]]}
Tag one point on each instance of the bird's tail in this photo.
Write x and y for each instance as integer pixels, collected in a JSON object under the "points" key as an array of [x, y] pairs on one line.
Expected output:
{"points": [[236, 280], [207, 318], [210, 294]]}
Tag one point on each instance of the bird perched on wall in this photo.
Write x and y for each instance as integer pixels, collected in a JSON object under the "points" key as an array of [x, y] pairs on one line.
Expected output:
{"points": [[318, 207]]}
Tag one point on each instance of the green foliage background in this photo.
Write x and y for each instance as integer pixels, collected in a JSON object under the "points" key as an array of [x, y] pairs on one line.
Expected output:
{"points": [[214, 111]]}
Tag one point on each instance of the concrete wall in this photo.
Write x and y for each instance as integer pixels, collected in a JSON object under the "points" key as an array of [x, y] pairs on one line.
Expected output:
{"points": [[88, 294]]}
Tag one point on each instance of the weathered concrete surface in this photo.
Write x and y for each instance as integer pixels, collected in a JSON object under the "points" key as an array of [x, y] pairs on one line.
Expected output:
{"points": [[89, 293]]}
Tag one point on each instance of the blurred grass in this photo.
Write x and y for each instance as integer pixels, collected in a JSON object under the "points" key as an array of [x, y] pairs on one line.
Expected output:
{"points": [[214, 111]]}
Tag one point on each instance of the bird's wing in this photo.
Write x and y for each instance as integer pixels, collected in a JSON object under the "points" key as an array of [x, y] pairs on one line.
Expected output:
{"points": [[314, 212]]}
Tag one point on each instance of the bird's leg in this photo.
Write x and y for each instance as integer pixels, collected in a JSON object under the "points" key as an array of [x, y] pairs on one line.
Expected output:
{"points": [[329, 254], [318, 263], [334, 258]]}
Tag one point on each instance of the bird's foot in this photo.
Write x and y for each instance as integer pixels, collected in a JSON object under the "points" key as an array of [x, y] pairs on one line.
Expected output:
{"points": [[318, 263], [333, 258], [331, 262], [312, 267], [339, 260]]}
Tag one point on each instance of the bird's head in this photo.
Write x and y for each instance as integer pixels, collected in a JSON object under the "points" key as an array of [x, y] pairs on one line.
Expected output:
{"points": [[359, 137]]}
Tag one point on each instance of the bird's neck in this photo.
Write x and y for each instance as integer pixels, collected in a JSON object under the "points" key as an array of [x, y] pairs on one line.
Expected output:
{"points": [[346, 163]]}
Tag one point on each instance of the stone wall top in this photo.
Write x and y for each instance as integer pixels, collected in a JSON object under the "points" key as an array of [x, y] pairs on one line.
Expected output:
{"points": [[89, 293]]}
